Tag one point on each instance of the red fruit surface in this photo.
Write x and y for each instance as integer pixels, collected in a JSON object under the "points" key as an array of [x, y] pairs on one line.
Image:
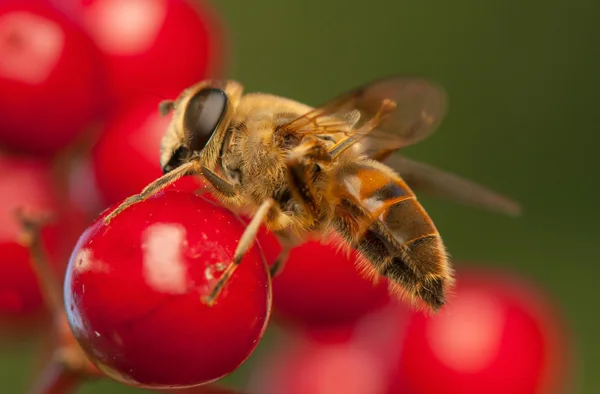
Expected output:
{"points": [[152, 48], [208, 389], [24, 184], [335, 363], [269, 244], [133, 293], [126, 157], [50, 78], [320, 286], [496, 335]]}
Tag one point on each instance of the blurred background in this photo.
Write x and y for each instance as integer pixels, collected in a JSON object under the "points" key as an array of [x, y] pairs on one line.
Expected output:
{"points": [[523, 84]]}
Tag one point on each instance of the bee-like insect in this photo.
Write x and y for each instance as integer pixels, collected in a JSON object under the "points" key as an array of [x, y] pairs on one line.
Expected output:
{"points": [[308, 172]]}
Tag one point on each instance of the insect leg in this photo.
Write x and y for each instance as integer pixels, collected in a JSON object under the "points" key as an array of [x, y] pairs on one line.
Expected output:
{"points": [[219, 183], [189, 168], [300, 168], [387, 106], [379, 216], [245, 243], [280, 261]]}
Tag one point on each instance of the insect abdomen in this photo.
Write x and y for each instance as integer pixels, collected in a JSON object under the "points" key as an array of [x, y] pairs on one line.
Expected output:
{"points": [[381, 218]]}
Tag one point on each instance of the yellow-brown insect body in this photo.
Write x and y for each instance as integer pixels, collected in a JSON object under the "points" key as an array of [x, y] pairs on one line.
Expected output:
{"points": [[263, 157], [363, 200], [380, 216], [254, 159], [307, 172]]}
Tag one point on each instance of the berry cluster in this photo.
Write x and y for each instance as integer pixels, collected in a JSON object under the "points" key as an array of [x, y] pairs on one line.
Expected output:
{"points": [[80, 83]]}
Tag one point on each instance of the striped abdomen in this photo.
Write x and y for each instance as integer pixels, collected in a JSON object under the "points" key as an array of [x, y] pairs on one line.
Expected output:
{"points": [[378, 215]]}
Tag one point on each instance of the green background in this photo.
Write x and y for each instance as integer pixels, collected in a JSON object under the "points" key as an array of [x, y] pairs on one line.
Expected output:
{"points": [[523, 82]]}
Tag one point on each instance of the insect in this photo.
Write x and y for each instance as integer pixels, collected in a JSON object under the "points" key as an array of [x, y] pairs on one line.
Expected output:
{"points": [[308, 172]]}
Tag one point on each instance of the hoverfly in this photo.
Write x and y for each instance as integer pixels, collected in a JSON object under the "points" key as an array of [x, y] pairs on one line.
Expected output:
{"points": [[308, 172]]}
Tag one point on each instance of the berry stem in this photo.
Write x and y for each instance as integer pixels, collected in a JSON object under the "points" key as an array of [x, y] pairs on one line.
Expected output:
{"points": [[51, 288], [69, 366], [56, 378]]}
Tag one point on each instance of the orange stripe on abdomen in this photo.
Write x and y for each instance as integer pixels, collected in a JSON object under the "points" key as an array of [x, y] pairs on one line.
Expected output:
{"points": [[371, 186], [380, 217]]}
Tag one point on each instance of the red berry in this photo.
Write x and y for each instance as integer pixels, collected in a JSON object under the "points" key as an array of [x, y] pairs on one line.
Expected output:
{"points": [[208, 389], [134, 287], [50, 79], [83, 190], [152, 48], [125, 158], [496, 335], [335, 363], [320, 286], [24, 184]]}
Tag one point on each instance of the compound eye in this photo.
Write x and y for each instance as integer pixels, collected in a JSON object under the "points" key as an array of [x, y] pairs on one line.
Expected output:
{"points": [[203, 113]]}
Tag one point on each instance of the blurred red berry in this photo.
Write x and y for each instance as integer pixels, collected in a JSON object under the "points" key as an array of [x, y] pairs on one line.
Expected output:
{"points": [[152, 48], [208, 389], [24, 184], [82, 188], [320, 286], [126, 157], [133, 293], [50, 78], [335, 363], [496, 335]]}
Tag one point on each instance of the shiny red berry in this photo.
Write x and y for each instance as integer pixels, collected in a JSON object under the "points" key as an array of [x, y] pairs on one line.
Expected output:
{"points": [[320, 286], [134, 293], [50, 78], [125, 158], [496, 335], [152, 48]]}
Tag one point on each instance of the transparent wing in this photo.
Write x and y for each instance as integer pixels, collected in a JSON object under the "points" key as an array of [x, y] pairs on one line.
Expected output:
{"points": [[430, 180], [420, 107]]}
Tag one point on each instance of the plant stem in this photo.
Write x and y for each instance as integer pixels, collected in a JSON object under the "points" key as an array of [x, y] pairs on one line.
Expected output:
{"points": [[47, 279], [56, 379], [68, 367]]}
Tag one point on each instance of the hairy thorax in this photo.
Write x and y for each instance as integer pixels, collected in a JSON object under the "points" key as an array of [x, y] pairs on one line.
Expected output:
{"points": [[254, 160], [254, 156]]}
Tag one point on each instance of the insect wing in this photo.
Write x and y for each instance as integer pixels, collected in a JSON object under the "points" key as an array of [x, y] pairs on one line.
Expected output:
{"points": [[420, 107], [430, 180]]}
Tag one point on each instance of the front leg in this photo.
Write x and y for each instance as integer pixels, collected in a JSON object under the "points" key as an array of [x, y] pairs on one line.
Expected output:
{"points": [[221, 185], [190, 168], [246, 241]]}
